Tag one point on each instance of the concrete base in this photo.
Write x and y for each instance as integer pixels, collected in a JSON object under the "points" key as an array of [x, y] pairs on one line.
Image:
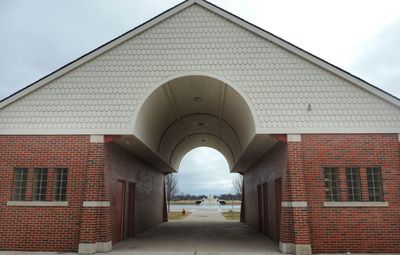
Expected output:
{"points": [[302, 249], [287, 248], [297, 249], [92, 248]]}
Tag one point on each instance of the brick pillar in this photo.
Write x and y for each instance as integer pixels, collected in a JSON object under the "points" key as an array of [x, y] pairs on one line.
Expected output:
{"points": [[294, 229], [95, 235]]}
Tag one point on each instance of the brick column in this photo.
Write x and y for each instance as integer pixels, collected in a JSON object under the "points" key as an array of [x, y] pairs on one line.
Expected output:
{"points": [[95, 235], [294, 229]]}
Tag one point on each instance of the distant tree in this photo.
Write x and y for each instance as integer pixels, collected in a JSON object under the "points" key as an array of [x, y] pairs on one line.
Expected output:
{"points": [[171, 186], [238, 185]]}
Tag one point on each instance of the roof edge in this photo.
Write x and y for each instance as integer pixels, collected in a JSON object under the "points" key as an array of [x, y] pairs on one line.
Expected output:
{"points": [[95, 53], [302, 53], [229, 16]]}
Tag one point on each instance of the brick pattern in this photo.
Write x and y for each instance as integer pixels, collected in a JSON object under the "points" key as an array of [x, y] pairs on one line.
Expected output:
{"points": [[267, 169], [294, 221], [42, 228], [96, 221], [123, 165], [364, 229]]}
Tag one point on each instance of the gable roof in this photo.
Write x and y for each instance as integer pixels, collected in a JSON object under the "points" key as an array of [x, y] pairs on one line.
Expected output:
{"points": [[227, 15]]}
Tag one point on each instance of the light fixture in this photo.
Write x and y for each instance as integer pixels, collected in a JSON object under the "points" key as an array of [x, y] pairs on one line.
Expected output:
{"points": [[197, 99], [203, 140], [200, 124]]}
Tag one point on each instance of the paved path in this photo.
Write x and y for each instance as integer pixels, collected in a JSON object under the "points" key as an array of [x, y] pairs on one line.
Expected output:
{"points": [[198, 238], [205, 215]]}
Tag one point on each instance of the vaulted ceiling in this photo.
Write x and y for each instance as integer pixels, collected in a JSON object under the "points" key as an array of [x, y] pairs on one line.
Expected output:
{"points": [[194, 111]]}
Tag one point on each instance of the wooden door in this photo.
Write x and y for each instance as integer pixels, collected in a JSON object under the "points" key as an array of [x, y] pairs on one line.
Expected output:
{"points": [[131, 209], [260, 208], [278, 204], [265, 209], [119, 211]]}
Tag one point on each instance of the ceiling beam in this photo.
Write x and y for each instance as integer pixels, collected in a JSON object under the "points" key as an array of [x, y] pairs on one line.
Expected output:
{"points": [[221, 112], [171, 100]]}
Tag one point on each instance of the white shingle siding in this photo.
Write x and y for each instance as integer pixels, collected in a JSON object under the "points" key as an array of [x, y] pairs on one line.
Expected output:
{"points": [[100, 96]]}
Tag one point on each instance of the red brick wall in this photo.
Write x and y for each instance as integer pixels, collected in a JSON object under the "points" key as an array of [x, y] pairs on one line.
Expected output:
{"points": [[42, 228], [342, 229], [268, 168], [123, 165]]}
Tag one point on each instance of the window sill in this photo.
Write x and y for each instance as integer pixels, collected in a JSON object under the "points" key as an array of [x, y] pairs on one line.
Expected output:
{"points": [[356, 204], [37, 203]]}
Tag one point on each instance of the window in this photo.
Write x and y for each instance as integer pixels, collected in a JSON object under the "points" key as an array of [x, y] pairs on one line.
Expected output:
{"points": [[374, 180], [353, 184], [60, 184], [331, 183], [20, 178], [40, 184]]}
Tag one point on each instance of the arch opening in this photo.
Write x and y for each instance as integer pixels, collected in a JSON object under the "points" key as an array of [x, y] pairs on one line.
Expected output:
{"points": [[193, 111], [205, 171]]}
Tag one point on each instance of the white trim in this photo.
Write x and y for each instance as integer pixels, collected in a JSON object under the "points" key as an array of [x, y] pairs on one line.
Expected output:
{"points": [[268, 36], [293, 138], [294, 204], [356, 204], [328, 130], [96, 203], [64, 131], [91, 248], [258, 131], [287, 248], [97, 138], [37, 203]]}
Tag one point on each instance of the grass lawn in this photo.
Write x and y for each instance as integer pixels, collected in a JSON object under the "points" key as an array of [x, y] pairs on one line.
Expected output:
{"points": [[183, 202], [231, 215], [177, 215]]}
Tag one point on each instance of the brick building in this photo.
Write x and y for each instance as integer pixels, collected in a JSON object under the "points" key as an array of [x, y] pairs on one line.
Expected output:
{"points": [[84, 151]]}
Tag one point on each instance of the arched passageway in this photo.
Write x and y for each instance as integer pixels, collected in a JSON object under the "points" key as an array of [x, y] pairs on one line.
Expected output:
{"points": [[193, 111]]}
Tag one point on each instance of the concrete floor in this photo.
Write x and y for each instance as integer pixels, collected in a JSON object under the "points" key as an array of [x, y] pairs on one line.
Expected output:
{"points": [[200, 238], [204, 232]]}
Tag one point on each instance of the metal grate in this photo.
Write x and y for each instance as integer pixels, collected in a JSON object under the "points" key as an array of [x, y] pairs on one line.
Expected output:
{"points": [[40, 184], [331, 184], [20, 179], [353, 184], [374, 178], [60, 184]]}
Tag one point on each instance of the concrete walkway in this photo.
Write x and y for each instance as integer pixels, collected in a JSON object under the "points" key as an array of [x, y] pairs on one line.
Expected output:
{"points": [[209, 215], [200, 238]]}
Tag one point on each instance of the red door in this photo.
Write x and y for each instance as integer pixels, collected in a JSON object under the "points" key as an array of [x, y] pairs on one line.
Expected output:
{"points": [[278, 201], [265, 209], [119, 210], [131, 209], [260, 208]]}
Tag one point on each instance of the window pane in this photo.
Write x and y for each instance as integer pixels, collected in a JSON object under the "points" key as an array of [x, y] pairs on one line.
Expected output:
{"points": [[331, 184], [40, 184], [60, 184], [353, 184], [20, 178], [375, 191]]}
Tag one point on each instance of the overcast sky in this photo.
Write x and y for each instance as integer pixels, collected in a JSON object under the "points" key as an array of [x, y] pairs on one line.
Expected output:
{"points": [[360, 36]]}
